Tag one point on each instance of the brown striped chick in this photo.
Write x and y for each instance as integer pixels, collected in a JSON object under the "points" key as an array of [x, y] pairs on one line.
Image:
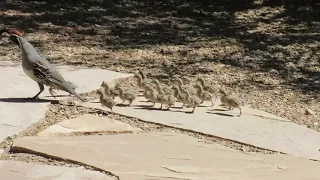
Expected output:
{"points": [[191, 100], [187, 86], [108, 91], [162, 88], [142, 83], [179, 95], [152, 94], [203, 95], [229, 102], [105, 101], [207, 88], [126, 95]]}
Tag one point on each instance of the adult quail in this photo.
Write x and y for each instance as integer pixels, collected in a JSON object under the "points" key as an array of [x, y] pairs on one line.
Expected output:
{"points": [[38, 68]]}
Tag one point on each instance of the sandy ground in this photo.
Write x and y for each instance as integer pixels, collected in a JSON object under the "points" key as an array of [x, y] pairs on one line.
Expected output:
{"points": [[266, 57]]}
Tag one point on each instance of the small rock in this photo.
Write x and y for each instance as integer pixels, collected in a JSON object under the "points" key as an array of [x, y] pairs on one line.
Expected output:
{"points": [[309, 112], [273, 71], [315, 124], [1, 151]]}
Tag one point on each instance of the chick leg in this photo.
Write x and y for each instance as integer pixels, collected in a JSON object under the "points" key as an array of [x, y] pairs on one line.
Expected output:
{"points": [[194, 107], [240, 112]]}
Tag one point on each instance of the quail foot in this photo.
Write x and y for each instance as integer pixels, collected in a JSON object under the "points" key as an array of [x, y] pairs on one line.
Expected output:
{"points": [[38, 68]]}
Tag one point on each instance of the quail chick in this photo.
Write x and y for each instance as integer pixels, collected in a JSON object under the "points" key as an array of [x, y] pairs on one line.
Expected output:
{"points": [[229, 102], [126, 95], [223, 97], [205, 87], [108, 91], [178, 81], [168, 100], [191, 100], [178, 94], [106, 101], [166, 90], [203, 95], [144, 76], [153, 95]]}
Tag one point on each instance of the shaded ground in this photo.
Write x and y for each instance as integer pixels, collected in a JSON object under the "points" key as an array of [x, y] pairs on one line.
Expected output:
{"points": [[266, 56]]}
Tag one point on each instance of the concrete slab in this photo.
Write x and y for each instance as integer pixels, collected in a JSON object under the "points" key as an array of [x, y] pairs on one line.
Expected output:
{"points": [[18, 113], [15, 170], [167, 155], [254, 127], [88, 123]]}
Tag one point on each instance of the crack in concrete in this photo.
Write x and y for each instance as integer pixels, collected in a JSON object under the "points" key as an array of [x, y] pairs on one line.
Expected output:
{"points": [[21, 174], [10, 125], [16, 149]]}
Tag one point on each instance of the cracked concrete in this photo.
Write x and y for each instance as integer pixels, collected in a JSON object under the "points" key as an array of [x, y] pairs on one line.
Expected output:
{"points": [[167, 155], [15, 170], [88, 123]]}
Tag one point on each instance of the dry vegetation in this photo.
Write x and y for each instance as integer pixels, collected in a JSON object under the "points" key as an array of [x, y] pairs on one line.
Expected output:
{"points": [[268, 56]]}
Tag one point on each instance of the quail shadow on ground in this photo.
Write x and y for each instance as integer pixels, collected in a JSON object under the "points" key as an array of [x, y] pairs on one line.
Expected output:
{"points": [[220, 114], [122, 105], [218, 110], [151, 108], [58, 96], [25, 100]]}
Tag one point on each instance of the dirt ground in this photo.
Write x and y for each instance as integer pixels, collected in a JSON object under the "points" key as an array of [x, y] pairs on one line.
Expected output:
{"points": [[268, 57]]}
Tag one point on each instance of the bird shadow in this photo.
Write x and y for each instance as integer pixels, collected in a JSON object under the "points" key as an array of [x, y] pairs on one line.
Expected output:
{"points": [[58, 96], [218, 110], [151, 108], [220, 114], [25, 100], [122, 105]]}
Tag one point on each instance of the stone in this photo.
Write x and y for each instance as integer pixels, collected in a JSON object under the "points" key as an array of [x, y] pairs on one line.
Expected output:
{"points": [[88, 123], [168, 155], [17, 112], [1, 151], [254, 127], [309, 112], [15, 170]]}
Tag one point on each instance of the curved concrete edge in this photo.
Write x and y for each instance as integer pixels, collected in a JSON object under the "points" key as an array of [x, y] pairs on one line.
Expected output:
{"points": [[15, 170]]}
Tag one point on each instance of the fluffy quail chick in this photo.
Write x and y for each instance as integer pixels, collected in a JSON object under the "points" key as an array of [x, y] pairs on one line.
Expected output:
{"points": [[152, 95], [223, 98], [108, 91], [191, 100], [178, 94], [205, 87], [142, 83], [168, 100], [203, 95], [229, 102], [166, 90], [178, 81], [106, 101], [126, 95], [72, 85]]}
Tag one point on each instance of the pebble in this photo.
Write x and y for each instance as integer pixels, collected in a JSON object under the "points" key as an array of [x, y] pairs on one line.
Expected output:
{"points": [[309, 112]]}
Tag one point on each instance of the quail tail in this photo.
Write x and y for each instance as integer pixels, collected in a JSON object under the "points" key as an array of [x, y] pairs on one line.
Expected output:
{"points": [[67, 86]]}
